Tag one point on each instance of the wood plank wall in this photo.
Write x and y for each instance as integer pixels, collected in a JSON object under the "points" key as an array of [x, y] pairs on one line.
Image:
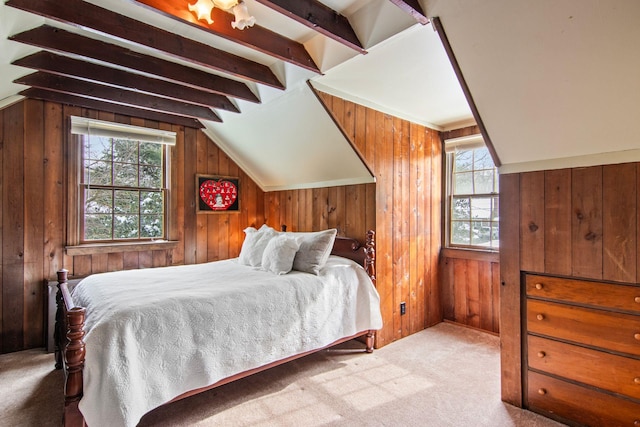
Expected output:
{"points": [[580, 222], [471, 289], [350, 209], [406, 159], [33, 217], [470, 280]]}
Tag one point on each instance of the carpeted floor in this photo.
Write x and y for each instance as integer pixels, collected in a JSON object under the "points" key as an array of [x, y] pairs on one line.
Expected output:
{"points": [[446, 375]]}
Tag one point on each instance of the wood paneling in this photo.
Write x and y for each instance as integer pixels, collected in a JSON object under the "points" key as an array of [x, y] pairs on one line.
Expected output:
{"points": [[34, 216], [589, 230], [403, 207], [470, 290], [510, 331]]}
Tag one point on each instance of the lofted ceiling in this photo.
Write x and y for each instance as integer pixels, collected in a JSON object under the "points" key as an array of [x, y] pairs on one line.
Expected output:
{"points": [[553, 84], [251, 91]]}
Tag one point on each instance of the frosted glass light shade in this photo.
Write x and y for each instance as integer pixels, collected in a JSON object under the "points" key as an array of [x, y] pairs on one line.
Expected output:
{"points": [[203, 9], [243, 18]]}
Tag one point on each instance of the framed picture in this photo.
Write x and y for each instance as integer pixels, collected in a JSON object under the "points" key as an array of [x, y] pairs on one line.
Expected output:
{"points": [[217, 194]]}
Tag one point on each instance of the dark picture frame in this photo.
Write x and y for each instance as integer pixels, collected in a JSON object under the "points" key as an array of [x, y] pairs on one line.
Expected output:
{"points": [[217, 194]]}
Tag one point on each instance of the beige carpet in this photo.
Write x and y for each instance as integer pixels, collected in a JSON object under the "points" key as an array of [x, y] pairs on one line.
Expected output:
{"points": [[444, 376]]}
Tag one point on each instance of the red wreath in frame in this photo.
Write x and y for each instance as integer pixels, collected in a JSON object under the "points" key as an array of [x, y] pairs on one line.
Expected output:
{"points": [[218, 195]]}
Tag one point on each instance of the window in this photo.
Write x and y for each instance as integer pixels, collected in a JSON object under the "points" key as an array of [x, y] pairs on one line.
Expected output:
{"points": [[122, 182], [472, 189]]}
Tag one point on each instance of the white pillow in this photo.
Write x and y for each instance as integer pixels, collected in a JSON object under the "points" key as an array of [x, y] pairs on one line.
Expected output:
{"points": [[314, 251], [255, 242], [279, 253]]}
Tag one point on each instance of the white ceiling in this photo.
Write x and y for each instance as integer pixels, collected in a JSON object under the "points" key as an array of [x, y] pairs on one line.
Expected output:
{"points": [[551, 80], [557, 83]]}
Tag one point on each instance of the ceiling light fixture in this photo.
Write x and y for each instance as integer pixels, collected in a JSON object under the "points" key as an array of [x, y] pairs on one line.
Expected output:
{"points": [[203, 9]]}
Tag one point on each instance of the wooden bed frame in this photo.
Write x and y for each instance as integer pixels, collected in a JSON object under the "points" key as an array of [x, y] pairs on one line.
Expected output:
{"points": [[69, 333]]}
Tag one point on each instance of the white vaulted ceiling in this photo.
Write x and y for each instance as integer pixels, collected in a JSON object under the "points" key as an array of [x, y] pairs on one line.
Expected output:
{"points": [[555, 82]]}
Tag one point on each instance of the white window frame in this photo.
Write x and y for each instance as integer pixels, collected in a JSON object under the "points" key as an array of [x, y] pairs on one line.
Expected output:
{"points": [[463, 144], [81, 128]]}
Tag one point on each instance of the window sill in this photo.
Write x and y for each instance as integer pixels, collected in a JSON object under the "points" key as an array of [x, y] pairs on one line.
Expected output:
{"points": [[106, 248], [473, 254]]}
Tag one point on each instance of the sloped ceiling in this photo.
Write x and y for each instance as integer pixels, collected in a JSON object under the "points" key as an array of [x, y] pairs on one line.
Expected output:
{"points": [[287, 139], [555, 83]]}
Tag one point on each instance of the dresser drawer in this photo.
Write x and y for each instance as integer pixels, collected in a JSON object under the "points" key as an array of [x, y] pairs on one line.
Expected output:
{"points": [[613, 331], [597, 294], [554, 397], [607, 371]]}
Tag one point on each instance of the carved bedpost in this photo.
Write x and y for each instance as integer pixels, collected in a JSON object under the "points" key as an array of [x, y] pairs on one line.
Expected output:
{"points": [[371, 335], [60, 330], [74, 358], [370, 253]]}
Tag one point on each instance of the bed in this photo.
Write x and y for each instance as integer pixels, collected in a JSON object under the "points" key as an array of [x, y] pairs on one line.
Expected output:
{"points": [[133, 340]]}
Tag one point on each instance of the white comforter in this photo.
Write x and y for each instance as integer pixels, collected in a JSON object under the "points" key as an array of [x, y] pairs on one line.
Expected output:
{"points": [[154, 334]]}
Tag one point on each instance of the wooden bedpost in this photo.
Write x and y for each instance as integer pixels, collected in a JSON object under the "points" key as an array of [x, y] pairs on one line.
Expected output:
{"points": [[60, 330], [74, 359], [370, 254], [371, 335], [70, 349]]}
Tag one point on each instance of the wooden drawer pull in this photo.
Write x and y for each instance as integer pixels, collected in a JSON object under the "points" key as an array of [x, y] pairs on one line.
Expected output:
{"points": [[540, 316], [541, 354], [540, 286], [542, 391], [636, 423], [637, 299], [636, 380], [637, 336]]}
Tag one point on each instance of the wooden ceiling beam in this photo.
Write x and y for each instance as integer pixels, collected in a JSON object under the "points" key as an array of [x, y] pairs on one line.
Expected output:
{"points": [[413, 8], [79, 101], [63, 65], [437, 24], [256, 37], [320, 18], [55, 39], [130, 98], [87, 15]]}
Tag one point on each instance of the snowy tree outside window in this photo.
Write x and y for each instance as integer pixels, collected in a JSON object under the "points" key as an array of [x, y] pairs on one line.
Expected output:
{"points": [[123, 189], [473, 199]]}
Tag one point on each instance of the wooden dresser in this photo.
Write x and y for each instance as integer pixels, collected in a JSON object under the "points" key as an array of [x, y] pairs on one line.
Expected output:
{"points": [[582, 351]]}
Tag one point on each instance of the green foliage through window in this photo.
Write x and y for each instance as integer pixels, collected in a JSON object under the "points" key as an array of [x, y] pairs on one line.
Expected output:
{"points": [[473, 199], [123, 189]]}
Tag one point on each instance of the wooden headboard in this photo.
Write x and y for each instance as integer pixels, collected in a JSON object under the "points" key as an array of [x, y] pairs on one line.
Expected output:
{"points": [[353, 249]]}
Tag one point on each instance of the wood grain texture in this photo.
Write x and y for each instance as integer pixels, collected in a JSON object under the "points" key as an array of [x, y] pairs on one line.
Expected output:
{"points": [[532, 221], [586, 226], [510, 294], [619, 212], [403, 206], [13, 229], [557, 218], [37, 154], [591, 230]]}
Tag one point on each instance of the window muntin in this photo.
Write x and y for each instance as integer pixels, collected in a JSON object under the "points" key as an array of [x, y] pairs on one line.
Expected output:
{"points": [[123, 192], [473, 199]]}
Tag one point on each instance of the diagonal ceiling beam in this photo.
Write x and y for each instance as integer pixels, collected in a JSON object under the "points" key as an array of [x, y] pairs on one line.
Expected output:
{"points": [[413, 8], [94, 104], [48, 37], [63, 65], [319, 17], [87, 89], [437, 24], [256, 37], [86, 15]]}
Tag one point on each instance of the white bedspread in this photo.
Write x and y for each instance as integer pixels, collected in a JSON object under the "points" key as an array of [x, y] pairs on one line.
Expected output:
{"points": [[154, 334]]}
